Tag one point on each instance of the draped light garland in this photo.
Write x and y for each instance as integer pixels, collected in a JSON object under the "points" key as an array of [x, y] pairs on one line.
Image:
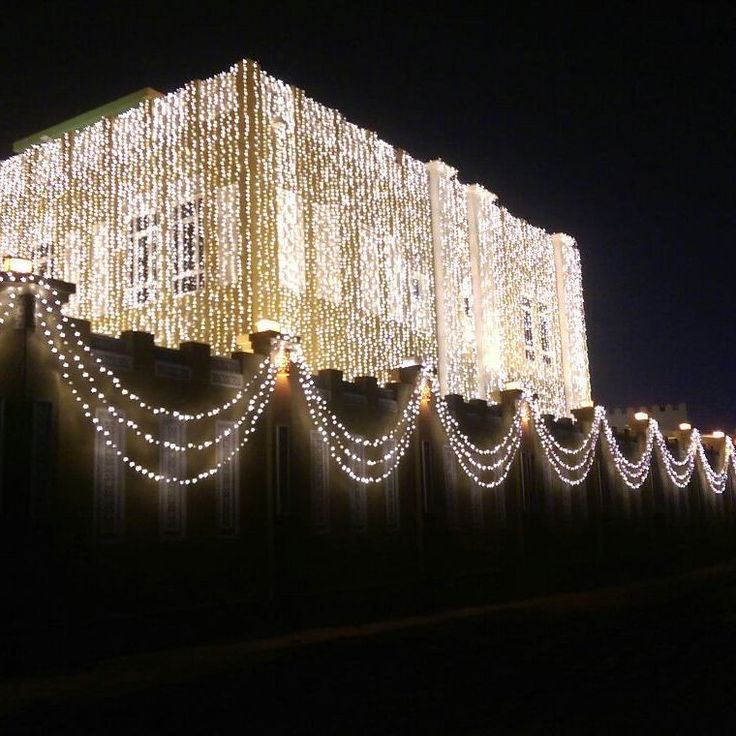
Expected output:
{"points": [[486, 466]]}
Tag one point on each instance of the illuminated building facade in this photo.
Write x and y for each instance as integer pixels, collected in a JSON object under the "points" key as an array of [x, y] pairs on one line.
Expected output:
{"points": [[195, 214]]}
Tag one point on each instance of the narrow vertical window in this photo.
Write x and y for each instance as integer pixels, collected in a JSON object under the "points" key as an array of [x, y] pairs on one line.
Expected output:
{"points": [[526, 314], [188, 247], [172, 496], [499, 495], [391, 484], [544, 334], [228, 480], [448, 458], [476, 505], [283, 471], [358, 495], [320, 482], [426, 476], [109, 498]]}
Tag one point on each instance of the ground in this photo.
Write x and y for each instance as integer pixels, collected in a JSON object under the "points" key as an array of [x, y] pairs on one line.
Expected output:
{"points": [[653, 656]]}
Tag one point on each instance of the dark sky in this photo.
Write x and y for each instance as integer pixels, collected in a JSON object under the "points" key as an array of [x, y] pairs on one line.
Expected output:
{"points": [[615, 125]]}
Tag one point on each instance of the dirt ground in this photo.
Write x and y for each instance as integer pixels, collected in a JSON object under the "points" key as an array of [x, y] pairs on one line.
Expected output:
{"points": [[656, 656]]}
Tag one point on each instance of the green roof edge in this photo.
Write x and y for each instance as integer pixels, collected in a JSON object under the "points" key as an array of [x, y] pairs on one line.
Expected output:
{"points": [[86, 119]]}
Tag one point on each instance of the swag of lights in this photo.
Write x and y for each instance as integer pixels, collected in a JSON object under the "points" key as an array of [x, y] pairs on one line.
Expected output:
{"points": [[364, 460]]}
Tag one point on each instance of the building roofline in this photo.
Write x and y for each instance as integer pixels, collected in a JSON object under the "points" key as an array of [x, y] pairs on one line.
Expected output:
{"points": [[85, 119]]}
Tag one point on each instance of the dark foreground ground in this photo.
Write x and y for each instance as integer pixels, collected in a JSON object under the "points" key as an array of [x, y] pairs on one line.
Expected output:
{"points": [[658, 656]]}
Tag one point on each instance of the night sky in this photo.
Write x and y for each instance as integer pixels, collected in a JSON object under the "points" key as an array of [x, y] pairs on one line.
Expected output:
{"points": [[614, 125]]}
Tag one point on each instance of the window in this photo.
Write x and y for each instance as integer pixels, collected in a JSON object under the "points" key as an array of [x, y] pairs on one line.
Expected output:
{"points": [[41, 254], [476, 505], [144, 234], [358, 495], [544, 336], [172, 496], [392, 491], [228, 480], [109, 478], [282, 468], [320, 481], [188, 245], [526, 313], [448, 457], [426, 475]]}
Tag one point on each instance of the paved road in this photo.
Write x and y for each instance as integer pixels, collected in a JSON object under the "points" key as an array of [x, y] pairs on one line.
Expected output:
{"points": [[658, 656]]}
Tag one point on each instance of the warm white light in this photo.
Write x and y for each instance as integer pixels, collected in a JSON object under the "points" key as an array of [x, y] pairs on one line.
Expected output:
{"points": [[641, 416], [17, 264], [237, 196], [685, 426], [268, 325], [410, 362], [512, 386], [718, 434]]}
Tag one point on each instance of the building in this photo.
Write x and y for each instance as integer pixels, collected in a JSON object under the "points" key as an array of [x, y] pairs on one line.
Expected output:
{"points": [[669, 417], [141, 484], [196, 214]]}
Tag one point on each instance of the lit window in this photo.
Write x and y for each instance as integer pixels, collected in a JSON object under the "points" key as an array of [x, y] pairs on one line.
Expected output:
{"points": [[143, 254], [544, 341], [188, 245], [526, 310]]}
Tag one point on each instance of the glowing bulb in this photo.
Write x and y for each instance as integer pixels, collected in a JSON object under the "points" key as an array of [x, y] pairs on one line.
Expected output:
{"points": [[641, 416], [685, 426]]}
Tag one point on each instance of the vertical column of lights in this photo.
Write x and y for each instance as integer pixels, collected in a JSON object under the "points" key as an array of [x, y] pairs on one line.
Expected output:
{"points": [[420, 329], [272, 119], [75, 209], [132, 197], [86, 241], [44, 219], [490, 239], [318, 177], [10, 183], [576, 323], [176, 187], [296, 303], [223, 229], [321, 215], [458, 306]]}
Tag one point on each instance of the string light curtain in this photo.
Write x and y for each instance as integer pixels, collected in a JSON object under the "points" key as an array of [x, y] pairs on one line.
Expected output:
{"points": [[195, 214]]}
